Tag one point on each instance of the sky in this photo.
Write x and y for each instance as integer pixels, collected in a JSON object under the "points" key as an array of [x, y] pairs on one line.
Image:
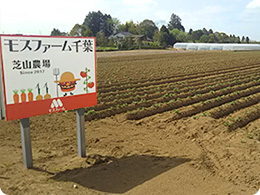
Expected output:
{"points": [[239, 17]]}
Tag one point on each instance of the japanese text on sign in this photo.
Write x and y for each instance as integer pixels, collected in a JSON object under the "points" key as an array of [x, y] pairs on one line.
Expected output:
{"points": [[16, 45]]}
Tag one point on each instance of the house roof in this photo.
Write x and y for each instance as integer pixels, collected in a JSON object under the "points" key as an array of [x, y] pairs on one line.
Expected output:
{"points": [[125, 34], [121, 35]]}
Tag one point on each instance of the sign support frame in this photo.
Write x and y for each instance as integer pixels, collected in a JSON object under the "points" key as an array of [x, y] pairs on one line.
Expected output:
{"points": [[26, 138], [81, 132], [2, 104], [26, 143]]}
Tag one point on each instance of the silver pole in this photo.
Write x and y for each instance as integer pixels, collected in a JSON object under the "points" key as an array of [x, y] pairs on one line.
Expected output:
{"points": [[26, 143], [81, 132]]}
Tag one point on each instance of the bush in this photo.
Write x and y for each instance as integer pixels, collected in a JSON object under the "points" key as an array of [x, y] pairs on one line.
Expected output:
{"points": [[101, 49], [132, 47], [152, 47]]}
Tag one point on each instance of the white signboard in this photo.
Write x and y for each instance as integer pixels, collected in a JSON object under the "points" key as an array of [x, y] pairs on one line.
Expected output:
{"points": [[43, 74]]}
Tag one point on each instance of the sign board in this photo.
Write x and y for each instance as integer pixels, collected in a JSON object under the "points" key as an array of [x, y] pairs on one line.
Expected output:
{"points": [[44, 74]]}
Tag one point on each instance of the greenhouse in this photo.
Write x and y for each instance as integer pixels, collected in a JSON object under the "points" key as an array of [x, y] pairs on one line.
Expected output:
{"points": [[217, 46]]}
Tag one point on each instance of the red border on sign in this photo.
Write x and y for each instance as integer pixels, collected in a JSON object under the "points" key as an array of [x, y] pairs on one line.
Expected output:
{"points": [[40, 107]]}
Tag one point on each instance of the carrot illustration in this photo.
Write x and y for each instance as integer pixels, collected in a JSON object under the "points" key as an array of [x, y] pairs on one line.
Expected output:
{"points": [[47, 96], [30, 94], [39, 96], [23, 95], [16, 96]]}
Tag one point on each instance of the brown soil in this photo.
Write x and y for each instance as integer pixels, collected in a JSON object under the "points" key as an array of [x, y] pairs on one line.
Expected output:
{"points": [[194, 155], [149, 156]]}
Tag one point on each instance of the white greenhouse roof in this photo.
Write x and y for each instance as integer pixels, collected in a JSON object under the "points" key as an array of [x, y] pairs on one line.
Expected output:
{"points": [[217, 46]]}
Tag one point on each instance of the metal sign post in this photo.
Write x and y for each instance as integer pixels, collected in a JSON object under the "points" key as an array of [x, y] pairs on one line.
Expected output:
{"points": [[2, 110], [26, 138], [26, 143], [81, 132]]}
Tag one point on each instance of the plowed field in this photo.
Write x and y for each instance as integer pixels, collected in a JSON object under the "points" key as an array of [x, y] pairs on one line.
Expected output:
{"points": [[166, 123]]}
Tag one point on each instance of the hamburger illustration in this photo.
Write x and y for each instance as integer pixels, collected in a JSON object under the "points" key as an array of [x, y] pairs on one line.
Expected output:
{"points": [[67, 82]]}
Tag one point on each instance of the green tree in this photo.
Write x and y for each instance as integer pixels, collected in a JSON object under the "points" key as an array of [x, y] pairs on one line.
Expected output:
{"points": [[164, 37], [243, 39], [115, 24], [212, 38], [205, 32], [175, 22], [126, 43], [223, 37], [80, 31], [96, 21], [232, 39], [128, 27], [190, 31], [196, 35], [238, 40], [101, 39], [156, 38], [57, 32], [247, 39], [204, 39], [147, 27], [111, 43], [179, 35]]}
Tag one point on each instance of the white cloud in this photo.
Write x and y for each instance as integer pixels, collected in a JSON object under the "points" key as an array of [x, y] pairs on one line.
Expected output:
{"points": [[255, 4], [252, 12]]}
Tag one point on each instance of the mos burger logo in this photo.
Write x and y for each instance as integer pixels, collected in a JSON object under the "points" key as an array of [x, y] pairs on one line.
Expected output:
{"points": [[56, 103], [56, 106]]}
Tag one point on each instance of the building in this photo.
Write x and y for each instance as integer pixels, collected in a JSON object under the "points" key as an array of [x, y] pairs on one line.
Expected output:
{"points": [[218, 46]]}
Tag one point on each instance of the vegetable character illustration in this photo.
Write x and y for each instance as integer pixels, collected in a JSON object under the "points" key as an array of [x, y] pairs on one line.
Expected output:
{"points": [[16, 96], [30, 94], [47, 96], [23, 95], [39, 96], [67, 83]]}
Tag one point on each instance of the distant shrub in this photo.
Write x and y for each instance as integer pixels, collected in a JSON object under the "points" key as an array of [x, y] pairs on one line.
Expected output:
{"points": [[152, 47], [101, 49]]}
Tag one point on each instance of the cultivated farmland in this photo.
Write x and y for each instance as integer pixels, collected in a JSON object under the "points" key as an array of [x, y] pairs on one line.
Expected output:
{"points": [[167, 122], [216, 84]]}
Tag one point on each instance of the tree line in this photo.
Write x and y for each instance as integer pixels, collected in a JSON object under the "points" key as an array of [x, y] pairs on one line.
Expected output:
{"points": [[102, 26]]}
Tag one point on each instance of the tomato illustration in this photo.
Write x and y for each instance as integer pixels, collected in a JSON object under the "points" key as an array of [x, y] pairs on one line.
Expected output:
{"points": [[91, 84], [83, 74]]}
